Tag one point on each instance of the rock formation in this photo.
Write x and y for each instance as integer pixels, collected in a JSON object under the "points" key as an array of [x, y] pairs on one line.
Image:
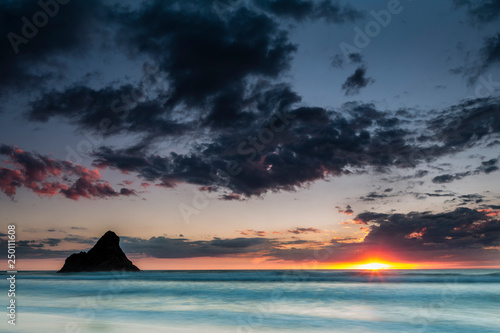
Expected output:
{"points": [[106, 255]]}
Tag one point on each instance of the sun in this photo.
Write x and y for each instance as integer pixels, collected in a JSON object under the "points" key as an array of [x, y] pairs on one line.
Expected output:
{"points": [[374, 266]]}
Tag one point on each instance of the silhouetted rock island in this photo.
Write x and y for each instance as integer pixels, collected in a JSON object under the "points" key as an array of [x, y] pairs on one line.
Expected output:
{"points": [[106, 255]]}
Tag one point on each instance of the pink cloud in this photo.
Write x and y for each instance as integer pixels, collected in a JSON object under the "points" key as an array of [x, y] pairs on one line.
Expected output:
{"points": [[36, 172]]}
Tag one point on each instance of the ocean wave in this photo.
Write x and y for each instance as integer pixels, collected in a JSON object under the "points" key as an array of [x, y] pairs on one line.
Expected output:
{"points": [[281, 276]]}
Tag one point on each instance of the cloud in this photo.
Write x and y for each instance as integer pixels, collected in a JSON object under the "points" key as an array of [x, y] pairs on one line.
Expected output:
{"points": [[231, 197], [304, 231], [311, 144], [162, 247], [36, 173], [487, 57], [253, 134], [461, 228], [299, 10], [356, 58], [372, 196], [485, 167], [346, 211], [354, 83], [489, 54], [42, 53], [447, 178], [463, 125], [416, 236], [482, 11], [259, 233]]}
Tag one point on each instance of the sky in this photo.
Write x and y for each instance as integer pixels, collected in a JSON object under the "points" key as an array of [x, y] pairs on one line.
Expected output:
{"points": [[252, 134]]}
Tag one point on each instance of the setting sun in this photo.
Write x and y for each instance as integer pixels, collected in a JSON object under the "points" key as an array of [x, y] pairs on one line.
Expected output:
{"points": [[374, 266]]}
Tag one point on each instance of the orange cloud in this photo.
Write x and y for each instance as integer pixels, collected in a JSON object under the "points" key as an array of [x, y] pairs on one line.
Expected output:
{"points": [[490, 212]]}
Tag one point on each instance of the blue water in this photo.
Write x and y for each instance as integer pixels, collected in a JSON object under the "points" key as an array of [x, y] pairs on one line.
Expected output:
{"points": [[257, 301]]}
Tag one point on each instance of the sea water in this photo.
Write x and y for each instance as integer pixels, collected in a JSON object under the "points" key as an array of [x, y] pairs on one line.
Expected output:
{"points": [[257, 301]]}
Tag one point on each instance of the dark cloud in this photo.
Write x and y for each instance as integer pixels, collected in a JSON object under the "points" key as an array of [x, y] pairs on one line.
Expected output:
{"points": [[461, 228], [221, 86], [210, 74], [366, 217], [471, 198], [463, 125], [372, 196], [356, 58], [447, 178], [299, 10], [207, 60], [437, 193], [304, 231], [162, 247], [481, 11], [491, 50], [487, 56], [231, 197], [358, 80], [338, 59], [107, 111], [485, 167], [347, 211], [308, 144], [36, 173], [29, 54], [421, 173], [488, 166], [52, 241]]}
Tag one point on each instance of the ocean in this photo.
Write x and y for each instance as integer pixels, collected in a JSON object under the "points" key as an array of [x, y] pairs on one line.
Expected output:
{"points": [[257, 301]]}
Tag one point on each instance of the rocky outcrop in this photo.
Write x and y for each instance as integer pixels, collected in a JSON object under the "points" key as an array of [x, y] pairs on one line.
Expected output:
{"points": [[106, 255]]}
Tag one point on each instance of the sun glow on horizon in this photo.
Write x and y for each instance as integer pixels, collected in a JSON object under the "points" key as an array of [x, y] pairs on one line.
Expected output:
{"points": [[372, 265]]}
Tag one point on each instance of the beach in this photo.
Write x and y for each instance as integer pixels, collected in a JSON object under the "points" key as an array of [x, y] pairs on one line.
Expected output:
{"points": [[259, 301]]}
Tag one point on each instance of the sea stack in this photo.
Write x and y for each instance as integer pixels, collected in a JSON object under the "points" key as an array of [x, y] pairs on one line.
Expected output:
{"points": [[106, 255]]}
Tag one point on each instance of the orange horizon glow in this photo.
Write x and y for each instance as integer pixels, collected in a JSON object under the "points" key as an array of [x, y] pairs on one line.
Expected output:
{"points": [[373, 264]]}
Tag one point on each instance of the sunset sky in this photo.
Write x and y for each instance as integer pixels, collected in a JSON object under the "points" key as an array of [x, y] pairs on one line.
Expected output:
{"points": [[252, 134]]}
